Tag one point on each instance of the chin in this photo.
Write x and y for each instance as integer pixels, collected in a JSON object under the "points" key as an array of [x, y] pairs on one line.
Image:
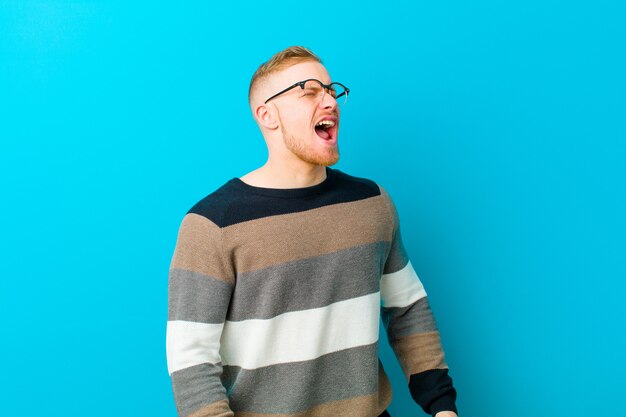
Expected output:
{"points": [[312, 154]]}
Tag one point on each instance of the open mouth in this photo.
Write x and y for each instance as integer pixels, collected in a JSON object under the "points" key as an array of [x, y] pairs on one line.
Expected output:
{"points": [[327, 130]]}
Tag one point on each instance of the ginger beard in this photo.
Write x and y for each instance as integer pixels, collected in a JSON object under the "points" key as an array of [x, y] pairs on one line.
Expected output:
{"points": [[307, 151]]}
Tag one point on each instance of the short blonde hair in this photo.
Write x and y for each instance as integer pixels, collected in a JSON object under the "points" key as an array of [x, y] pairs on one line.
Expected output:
{"points": [[281, 60]]}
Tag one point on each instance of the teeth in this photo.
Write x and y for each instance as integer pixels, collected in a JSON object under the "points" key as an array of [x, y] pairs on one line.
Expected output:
{"points": [[328, 123]]}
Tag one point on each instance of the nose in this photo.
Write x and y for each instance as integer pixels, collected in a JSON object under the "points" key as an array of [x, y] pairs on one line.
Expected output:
{"points": [[328, 102]]}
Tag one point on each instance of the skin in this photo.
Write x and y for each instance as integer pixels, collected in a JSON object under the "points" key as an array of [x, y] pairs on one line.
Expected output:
{"points": [[297, 157]]}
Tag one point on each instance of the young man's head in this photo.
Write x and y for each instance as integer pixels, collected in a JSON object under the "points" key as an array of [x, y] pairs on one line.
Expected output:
{"points": [[302, 121]]}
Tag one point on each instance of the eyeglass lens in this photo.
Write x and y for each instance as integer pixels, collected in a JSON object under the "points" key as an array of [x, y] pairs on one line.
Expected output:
{"points": [[314, 90]]}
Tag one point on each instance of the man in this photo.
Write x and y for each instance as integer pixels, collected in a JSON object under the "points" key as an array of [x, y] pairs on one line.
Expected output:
{"points": [[278, 278]]}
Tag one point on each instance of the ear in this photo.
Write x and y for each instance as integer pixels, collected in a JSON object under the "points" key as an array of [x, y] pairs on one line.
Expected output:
{"points": [[266, 117]]}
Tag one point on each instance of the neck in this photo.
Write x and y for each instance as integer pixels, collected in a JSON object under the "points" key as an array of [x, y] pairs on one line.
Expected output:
{"points": [[297, 174]]}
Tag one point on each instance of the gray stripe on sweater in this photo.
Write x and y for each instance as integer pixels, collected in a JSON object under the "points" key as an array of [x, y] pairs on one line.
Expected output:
{"points": [[398, 257], [197, 297], [405, 321], [197, 386], [297, 386], [308, 283]]}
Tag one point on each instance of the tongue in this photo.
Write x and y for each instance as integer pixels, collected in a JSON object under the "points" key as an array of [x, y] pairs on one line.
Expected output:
{"points": [[322, 133]]}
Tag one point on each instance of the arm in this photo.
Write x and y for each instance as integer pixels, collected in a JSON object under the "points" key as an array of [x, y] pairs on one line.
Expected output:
{"points": [[200, 283], [412, 330]]}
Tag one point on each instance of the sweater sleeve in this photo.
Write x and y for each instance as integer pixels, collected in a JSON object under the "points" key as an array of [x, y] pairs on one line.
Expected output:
{"points": [[411, 328], [200, 283]]}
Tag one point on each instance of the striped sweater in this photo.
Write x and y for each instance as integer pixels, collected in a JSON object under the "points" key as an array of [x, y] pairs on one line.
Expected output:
{"points": [[274, 301]]}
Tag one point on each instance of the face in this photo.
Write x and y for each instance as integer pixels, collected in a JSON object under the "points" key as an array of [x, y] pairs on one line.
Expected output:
{"points": [[298, 113]]}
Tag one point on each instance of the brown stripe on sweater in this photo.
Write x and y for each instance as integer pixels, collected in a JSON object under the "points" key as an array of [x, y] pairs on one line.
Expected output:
{"points": [[199, 249], [390, 206], [216, 409], [419, 352], [398, 257], [384, 390], [306, 234]]}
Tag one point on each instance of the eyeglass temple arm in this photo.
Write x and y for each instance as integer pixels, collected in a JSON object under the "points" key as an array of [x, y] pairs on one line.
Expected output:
{"points": [[299, 83]]}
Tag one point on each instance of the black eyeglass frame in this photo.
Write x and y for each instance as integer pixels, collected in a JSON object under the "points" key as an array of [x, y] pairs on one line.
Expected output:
{"points": [[301, 84]]}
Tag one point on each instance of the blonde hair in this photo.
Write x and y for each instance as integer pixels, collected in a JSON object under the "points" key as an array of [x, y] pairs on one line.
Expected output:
{"points": [[281, 60]]}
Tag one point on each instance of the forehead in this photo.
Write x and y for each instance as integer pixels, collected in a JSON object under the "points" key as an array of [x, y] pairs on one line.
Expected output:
{"points": [[300, 72]]}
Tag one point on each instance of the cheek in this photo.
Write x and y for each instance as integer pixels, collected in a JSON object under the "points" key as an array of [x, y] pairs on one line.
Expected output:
{"points": [[298, 123]]}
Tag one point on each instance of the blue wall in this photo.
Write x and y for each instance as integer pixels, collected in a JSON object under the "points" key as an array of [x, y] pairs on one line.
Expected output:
{"points": [[497, 127]]}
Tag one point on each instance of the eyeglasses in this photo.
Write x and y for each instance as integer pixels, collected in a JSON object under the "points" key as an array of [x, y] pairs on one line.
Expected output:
{"points": [[314, 90]]}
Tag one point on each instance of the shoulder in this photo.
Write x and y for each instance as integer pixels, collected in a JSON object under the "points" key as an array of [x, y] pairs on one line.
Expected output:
{"points": [[366, 185], [215, 205], [353, 182], [371, 187]]}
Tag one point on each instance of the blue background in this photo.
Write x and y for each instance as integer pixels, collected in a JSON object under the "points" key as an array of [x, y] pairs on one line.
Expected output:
{"points": [[497, 127]]}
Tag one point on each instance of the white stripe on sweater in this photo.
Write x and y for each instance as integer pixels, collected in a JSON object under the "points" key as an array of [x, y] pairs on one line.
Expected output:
{"points": [[188, 343], [301, 335], [401, 288]]}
